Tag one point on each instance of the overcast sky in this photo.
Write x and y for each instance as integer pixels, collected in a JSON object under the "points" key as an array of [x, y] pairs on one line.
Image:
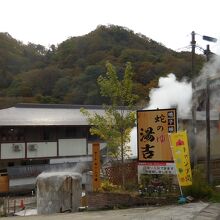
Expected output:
{"points": [[169, 22]]}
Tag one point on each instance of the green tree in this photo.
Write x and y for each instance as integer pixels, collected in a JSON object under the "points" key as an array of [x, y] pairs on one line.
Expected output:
{"points": [[62, 87], [115, 125]]}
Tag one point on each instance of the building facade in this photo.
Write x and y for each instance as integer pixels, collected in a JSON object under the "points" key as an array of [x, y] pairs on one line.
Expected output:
{"points": [[39, 136]]}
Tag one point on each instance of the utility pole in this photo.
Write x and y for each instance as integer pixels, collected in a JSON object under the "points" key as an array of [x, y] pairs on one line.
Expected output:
{"points": [[208, 131], [194, 154], [194, 106], [193, 45], [208, 53]]}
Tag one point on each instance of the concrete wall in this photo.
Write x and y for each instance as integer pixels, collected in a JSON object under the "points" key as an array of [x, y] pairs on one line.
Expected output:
{"points": [[58, 192]]}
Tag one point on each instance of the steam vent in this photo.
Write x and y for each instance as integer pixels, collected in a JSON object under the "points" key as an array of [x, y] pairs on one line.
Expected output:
{"points": [[58, 192]]}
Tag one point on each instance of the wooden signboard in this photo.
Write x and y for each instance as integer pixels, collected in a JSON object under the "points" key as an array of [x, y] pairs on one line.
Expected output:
{"points": [[96, 166], [152, 134]]}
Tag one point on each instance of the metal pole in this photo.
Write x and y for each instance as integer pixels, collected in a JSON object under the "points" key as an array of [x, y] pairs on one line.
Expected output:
{"points": [[193, 45], [193, 142], [122, 161], [207, 52], [208, 131]]}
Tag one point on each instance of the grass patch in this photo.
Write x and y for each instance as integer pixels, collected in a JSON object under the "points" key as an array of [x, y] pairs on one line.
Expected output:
{"points": [[215, 197], [200, 189]]}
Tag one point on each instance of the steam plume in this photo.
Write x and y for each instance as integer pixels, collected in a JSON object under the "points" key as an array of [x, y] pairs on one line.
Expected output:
{"points": [[171, 93], [211, 71]]}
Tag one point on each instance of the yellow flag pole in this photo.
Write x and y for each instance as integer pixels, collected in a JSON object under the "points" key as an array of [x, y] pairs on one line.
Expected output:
{"points": [[181, 192]]}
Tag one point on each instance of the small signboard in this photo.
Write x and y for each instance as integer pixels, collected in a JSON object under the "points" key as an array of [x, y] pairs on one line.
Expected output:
{"points": [[156, 168], [153, 127], [96, 166]]}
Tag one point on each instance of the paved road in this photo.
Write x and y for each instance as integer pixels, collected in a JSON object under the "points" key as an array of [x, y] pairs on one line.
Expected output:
{"points": [[197, 211]]}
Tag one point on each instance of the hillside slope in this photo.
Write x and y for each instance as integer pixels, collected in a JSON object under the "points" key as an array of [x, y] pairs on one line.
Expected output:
{"points": [[67, 73]]}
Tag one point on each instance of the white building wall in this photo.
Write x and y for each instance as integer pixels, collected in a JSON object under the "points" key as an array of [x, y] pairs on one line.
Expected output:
{"points": [[65, 147], [72, 147], [41, 149], [12, 150]]}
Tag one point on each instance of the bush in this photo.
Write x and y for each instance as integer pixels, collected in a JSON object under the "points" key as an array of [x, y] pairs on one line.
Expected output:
{"points": [[130, 186], [199, 188], [167, 181], [145, 180], [107, 186]]}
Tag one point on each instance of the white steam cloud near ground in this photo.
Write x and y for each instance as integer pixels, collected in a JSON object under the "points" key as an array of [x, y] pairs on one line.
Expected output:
{"points": [[170, 93]]}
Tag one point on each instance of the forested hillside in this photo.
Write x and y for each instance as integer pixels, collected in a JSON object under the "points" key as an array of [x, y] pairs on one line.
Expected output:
{"points": [[67, 73]]}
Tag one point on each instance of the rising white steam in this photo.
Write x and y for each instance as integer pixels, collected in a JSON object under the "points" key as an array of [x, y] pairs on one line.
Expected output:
{"points": [[210, 72], [170, 93]]}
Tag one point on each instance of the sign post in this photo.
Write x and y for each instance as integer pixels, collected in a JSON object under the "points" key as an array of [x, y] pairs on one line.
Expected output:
{"points": [[96, 166]]}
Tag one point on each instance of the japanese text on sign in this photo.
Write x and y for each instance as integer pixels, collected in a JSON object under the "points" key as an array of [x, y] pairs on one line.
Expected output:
{"points": [[96, 166], [156, 168], [181, 157], [153, 129]]}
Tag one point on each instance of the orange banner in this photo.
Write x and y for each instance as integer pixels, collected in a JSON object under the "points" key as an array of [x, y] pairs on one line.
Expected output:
{"points": [[179, 145], [152, 134], [96, 166]]}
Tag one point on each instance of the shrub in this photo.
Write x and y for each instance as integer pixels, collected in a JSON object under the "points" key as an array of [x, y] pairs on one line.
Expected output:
{"points": [[145, 180], [131, 186], [199, 188], [107, 186]]}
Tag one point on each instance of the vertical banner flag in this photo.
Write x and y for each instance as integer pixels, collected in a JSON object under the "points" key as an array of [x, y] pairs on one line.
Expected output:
{"points": [[153, 127], [96, 166], [180, 149]]}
